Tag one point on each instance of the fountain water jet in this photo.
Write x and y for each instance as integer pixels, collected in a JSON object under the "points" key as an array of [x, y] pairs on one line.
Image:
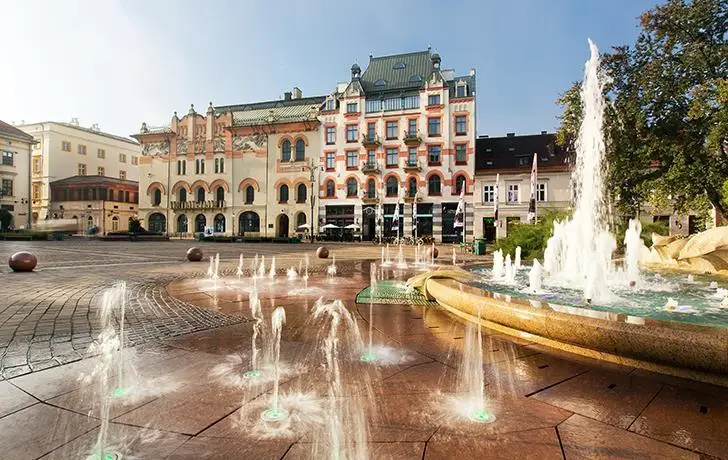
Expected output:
{"points": [[272, 273], [470, 376], [578, 245], [291, 274], [534, 277], [401, 262], [331, 269], [632, 247], [239, 271], [517, 260], [276, 413], [257, 314], [369, 355], [498, 269], [261, 268]]}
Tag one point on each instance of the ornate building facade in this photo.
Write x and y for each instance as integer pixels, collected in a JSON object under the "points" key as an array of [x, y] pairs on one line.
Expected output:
{"points": [[402, 130]]}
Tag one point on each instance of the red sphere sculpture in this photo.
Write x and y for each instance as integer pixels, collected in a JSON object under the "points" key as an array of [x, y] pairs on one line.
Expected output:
{"points": [[22, 262], [322, 252], [194, 254]]}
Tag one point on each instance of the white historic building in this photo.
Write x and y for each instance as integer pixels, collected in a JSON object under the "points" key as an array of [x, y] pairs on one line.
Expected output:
{"points": [[15, 148], [65, 150]]}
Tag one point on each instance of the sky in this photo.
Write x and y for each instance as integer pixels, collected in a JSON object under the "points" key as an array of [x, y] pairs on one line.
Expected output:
{"points": [[119, 63]]}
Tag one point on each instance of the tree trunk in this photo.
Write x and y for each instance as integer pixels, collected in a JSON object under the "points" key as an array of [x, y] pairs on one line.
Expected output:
{"points": [[714, 196]]}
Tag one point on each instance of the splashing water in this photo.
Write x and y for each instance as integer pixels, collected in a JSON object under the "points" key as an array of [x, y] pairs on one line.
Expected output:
{"points": [[344, 435], [498, 270], [291, 274], [369, 355], [632, 248], [257, 314], [331, 269], [509, 274], [261, 268], [534, 277], [239, 271], [272, 273], [517, 260], [401, 262], [580, 250], [276, 413], [470, 375]]}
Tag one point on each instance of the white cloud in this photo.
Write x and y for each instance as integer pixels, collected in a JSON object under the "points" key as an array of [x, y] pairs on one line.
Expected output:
{"points": [[87, 59]]}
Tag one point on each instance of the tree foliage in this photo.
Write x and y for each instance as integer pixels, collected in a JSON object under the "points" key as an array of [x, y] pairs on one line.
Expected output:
{"points": [[667, 121]]}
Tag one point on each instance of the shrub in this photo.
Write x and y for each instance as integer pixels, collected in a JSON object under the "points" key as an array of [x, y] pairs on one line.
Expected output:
{"points": [[532, 238], [659, 227]]}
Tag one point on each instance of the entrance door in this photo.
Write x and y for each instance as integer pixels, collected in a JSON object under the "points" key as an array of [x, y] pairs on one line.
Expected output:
{"points": [[369, 223], [489, 229], [283, 226]]}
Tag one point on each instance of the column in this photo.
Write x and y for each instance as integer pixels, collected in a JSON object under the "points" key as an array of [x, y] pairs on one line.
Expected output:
{"points": [[437, 222]]}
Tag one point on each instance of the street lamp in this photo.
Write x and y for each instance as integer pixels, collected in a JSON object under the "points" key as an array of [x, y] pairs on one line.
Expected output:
{"points": [[312, 168]]}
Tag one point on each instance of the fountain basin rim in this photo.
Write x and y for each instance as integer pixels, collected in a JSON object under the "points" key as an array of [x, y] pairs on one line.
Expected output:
{"points": [[685, 350]]}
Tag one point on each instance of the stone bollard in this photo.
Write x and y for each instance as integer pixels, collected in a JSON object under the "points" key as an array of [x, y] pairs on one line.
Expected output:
{"points": [[22, 262], [194, 254], [322, 252]]}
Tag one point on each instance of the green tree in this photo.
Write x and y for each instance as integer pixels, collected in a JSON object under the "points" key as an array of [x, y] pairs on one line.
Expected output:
{"points": [[570, 119], [667, 121]]}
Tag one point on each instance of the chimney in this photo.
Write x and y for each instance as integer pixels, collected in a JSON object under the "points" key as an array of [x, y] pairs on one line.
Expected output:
{"points": [[510, 134], [287, 96], [74, 121], [472, 72], [297, 93], [95, 127], [544, 132]]}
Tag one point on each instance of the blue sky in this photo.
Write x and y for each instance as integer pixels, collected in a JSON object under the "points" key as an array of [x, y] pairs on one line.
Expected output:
{"points": [[120, 62]]}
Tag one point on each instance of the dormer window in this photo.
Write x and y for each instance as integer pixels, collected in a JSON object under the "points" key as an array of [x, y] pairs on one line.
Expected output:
{"points": [[461, 90], [399, 66], [380, 82], [415, 78], [330, 104]]}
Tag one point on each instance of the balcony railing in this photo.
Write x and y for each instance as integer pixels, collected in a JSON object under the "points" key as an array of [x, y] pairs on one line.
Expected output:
{"points": [[412, 166], [368, 140], [370, 167], [369, 199], [412, 137], [209, 204]]}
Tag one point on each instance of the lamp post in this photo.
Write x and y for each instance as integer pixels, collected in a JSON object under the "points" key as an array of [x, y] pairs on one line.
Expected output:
{"points": [[312, 168]]}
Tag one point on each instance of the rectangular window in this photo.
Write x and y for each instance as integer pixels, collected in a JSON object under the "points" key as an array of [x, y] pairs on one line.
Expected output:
{"points": [[460, 91], [371, 131], [514, 195], [488, 193], [351, 107], [374, 105], [331, 161], [433, 126], [541, 192], [523, 161], [394, 103], [392, 127], [7, 158], [371, 158], [122, 175], [66, 146], [330, 135], [36, 191], [461, 125], [122, 158], [7, 187], [81, 149], [460, 155], [412, 102], [330, 104], [351, 133], [134, 160], [351, 158], [37, 166], [392, 155], [412, 156], [433, 99], [217, 165], [100, 171], [101, 153], [412, 127], [181, 167], [200, 166], [222, 165], [433, 155], [81, 169]]}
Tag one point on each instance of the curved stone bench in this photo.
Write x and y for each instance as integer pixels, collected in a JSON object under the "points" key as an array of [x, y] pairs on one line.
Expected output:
{"points": [[679, 349]]}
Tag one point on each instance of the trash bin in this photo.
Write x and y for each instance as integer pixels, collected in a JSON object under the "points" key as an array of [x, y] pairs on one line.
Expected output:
{"points": [[479, 247]]}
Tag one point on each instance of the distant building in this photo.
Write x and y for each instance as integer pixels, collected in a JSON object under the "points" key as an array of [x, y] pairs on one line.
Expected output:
{"points": [[511, 156], [405, 126], [106, 203], [15, 148], [68, 149]]}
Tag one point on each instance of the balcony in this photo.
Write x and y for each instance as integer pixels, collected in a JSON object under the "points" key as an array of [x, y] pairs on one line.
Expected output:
{"points": [[409, 198], [369, 141], [209, 204], [412, 138], [370, 167], [412, 166], [368, 199]]}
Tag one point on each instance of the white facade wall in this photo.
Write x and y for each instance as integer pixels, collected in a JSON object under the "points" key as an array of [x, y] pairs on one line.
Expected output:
{"points": [[18, 202]]}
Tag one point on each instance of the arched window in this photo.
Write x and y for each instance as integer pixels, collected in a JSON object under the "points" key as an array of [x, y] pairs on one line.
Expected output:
{"points": [[330, 189], [300, 150], [219, 223], [283, 194], [200, 222], [433, 185], [392, 186], [157, 223], [182, 224], [249, 222], [200, 193], [412, 186], [300, 219], [301, 193], [286, 151], [249, 194], [220, 194], [371, 189], [460, 184], [182, 195], [156, 197], [114, 223], [351, 187]]}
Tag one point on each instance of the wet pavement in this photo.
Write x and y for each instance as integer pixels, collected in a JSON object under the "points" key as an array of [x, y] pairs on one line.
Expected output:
{"points": [[189, 345]]}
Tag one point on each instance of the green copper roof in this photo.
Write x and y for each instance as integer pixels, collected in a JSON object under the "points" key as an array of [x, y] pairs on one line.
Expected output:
{"points": [[283, 113], [397, 71]]}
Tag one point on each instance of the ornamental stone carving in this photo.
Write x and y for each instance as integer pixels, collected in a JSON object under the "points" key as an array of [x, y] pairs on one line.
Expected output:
{"points": [[245, 143], [181, 146], [155, 148], [219, 144]]}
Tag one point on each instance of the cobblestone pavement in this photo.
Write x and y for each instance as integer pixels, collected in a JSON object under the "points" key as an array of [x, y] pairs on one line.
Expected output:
{"points": [[50, 317]]}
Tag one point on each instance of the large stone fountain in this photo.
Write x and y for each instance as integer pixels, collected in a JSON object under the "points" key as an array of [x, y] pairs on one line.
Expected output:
{"points": [[704, 252]]}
